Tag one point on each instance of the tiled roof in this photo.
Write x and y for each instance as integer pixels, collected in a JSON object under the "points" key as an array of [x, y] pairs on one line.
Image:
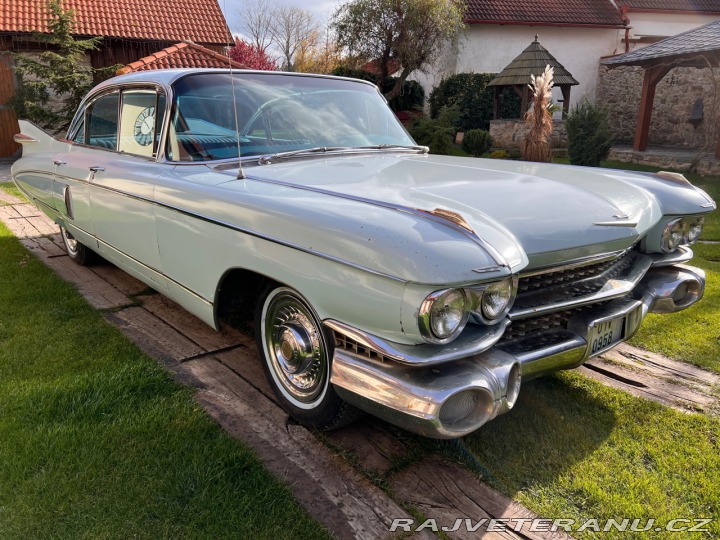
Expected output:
{"points": [[699, 41], [552, 12], [532, 61], [181, 55], [709, 6], [164, 20]]}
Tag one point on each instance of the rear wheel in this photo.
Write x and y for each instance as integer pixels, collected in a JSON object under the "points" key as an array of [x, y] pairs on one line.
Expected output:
{"points": [[297, 359], [78, 252]]}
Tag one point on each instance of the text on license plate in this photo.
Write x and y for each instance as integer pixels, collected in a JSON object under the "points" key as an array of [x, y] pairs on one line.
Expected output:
{"points": [[604, 334]]}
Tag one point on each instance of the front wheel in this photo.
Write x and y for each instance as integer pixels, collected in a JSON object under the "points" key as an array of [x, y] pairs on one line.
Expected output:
{"points": [[297, 359], [78, 252]]}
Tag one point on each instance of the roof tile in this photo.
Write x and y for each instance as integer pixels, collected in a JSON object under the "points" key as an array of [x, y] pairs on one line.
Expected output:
{"points": [[565, 12], [163, 20], [181, 55], [709, 6]]}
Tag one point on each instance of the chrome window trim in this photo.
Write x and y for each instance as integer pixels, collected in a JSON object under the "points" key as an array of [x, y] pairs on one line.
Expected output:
{"points": [[119, 88]]}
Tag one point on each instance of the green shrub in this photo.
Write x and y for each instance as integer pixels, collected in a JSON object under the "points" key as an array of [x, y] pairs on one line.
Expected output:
{"points": [[476, 142], [438, 134], [590, 136], [499, 154], [470, 93]]}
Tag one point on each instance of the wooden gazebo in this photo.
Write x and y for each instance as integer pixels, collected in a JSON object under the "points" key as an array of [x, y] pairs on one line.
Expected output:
{"points": [[698, 48], [531, 61]]}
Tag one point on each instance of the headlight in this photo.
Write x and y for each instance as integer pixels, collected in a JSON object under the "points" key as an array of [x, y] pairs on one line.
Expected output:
{"points": [[673, 235], [694, 228], [496, 299], [443, 315]]}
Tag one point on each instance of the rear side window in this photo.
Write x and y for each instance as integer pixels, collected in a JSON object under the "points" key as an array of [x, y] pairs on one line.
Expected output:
{"points": [[140, 122], [101, 122]]}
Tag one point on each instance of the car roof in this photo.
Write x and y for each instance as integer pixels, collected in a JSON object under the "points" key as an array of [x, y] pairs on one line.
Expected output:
{"points": [[168, 76]]}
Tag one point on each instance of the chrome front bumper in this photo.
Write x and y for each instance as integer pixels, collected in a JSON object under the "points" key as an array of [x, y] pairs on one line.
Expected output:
{"points": [[451, 399]]}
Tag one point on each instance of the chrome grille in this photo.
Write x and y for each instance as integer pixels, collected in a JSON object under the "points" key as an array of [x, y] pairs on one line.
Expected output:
{"points": [[543, 323], [348, 344], [562, 285]]}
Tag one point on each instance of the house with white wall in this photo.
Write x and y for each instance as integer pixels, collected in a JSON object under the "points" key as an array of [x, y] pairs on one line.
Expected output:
{"points": [[576, 32]]}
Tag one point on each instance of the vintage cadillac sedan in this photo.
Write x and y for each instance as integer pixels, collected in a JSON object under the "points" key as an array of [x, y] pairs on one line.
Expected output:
{"points": [[420, 288]]}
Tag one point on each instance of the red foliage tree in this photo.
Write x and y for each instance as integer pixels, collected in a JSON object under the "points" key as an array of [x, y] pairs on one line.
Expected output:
{"points": [[251, 57]]}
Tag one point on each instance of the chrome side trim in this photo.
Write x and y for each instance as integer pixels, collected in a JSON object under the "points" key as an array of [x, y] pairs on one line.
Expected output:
{"points": [[612, 289], [425, 214], [474, 340]]}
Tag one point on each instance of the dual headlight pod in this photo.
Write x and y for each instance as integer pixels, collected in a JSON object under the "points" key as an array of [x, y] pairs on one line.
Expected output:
{"points": [[444, 314], [685, 230]]}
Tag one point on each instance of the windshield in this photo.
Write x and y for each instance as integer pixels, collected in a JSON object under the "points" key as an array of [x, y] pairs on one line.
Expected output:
{"points": [[275, 113]]}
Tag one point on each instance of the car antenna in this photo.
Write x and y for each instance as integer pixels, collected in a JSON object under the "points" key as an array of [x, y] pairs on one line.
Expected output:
{"points": [[241, 173]]}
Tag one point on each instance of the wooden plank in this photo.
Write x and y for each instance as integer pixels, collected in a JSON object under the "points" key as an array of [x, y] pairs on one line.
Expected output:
{"points": [[677, 396], [18, 225], [186, 323], [446, 492], [43, 247], [371, 444], [245, 362], [152, 335], [119, 279], [96, 291], [332, 492], [6, 198], [662, 366]]}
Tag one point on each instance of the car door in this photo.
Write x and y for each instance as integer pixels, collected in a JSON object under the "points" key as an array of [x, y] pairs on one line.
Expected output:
{"points": [[123, 188], [94, 139]]}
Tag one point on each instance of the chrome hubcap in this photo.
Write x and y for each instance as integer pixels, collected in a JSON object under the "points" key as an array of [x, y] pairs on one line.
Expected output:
{"points": [[295, 347], [69, 239]]}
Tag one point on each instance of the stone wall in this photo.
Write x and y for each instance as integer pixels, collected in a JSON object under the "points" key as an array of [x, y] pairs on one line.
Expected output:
{"points": [[510, 134], [620, 89]]}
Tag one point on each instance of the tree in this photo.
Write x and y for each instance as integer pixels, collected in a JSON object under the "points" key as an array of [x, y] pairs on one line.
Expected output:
{"points": [[250, 56], [256, 22], [412, 33], [60, 72], [317, 55], [293, 30]]}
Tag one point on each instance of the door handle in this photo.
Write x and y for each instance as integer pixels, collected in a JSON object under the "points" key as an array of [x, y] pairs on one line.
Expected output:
{"points": [[97, 168], [58, 162]]}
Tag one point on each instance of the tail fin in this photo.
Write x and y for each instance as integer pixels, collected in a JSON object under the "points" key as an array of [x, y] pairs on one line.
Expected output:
{"points": [[34, 139]]}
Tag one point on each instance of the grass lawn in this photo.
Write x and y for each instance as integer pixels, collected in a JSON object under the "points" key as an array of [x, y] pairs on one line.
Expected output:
{"points": [[97, 441], [10, 188]]}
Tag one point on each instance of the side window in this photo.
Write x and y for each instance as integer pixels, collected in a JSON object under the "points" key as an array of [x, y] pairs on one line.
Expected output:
{"points": [[139, 123], [101, 122]]}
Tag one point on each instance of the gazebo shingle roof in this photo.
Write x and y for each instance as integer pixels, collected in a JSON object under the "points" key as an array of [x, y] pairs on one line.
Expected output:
{"points": [[699, 41], [532, 61]]}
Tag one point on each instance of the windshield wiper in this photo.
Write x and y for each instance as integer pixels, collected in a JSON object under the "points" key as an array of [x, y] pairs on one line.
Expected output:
{"points": [[270, 158]]}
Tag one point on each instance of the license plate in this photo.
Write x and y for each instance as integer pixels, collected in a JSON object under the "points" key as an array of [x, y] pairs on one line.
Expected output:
{"points": [[603, 335]]}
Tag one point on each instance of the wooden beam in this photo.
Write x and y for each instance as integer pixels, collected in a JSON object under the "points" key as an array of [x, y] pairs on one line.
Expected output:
{"points": [[652, 77], [566, 99], [496, 102]]}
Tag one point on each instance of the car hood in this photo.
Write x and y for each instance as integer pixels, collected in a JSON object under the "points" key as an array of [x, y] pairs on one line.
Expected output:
{"points": [[516, 207]]}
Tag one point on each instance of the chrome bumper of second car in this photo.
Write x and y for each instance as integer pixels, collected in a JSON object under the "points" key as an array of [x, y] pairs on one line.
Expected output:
{"points": [[452, 399]]}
